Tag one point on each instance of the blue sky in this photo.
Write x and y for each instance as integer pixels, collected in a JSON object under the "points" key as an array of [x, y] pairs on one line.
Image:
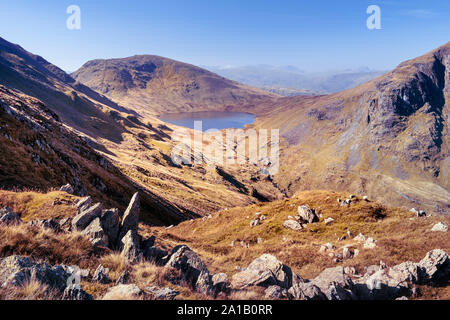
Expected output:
{"points": [[313, 35]]}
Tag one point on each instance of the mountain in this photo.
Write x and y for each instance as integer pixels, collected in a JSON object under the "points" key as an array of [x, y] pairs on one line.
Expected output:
{"points": [[294, 81], [155, 85], [93, 132], [77, 105], [387, 138]]}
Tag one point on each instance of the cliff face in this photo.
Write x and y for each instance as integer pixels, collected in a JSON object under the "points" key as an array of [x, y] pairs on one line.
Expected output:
{"points": [[387, 137], [153, 85]]}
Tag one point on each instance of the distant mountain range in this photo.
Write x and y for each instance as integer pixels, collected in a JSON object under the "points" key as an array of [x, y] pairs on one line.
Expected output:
{"points": [[292, 81]]}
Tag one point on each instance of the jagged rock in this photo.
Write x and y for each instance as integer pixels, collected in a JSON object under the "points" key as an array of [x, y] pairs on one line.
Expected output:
{"points": [[83, 274], [294, 225], [123, 292], [442, 227], [96, 234], [124, 278], [16, 270], [74, 292], [204, 283], [263, 271], [386, 284], [346, 254], [163, 293], [335, 284], [130, 218], [110, 222], [192, 268], [434, 266], [276, 292], [306, 214], [130, 245], [67, 188], [9, 218], [85, 217], [50, 224], [101, 275], [370, 243], [255, 222], [328, 221], [83, 203], [303, 290]]}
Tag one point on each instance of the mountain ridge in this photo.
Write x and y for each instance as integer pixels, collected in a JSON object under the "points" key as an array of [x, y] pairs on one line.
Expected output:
{"points": [[155, 85]]}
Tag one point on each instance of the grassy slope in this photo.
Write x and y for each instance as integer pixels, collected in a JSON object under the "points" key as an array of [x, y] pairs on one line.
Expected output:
{"points": [[400, 236]]}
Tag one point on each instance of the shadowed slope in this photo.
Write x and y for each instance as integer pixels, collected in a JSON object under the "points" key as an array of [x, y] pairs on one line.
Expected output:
{"points": [[155, 85], [387, 137]]}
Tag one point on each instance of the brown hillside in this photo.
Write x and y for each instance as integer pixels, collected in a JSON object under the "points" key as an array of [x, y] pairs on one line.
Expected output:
{"points": [[387, 138], [155, 85]]}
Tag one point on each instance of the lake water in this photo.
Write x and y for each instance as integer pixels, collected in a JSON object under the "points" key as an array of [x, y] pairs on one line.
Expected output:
{"points": [[210, 119]]}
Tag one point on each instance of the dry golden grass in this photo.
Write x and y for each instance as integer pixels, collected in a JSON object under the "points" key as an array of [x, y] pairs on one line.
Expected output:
{"points": [[32, 289], [35, 205], [148, 274], [115, 263], [37, 243]]}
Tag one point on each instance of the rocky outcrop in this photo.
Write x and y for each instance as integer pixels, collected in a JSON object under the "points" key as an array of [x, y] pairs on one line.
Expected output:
{"points": [[220, 283], [101, 275], [335, 284], [307, 215], [123, 292], [74, 292], [379, 282], [263, 271], [67, 188], [16, 271], [86, 216], [162, 293], [9, 218], [50, 224], [304, 290], [130, 245], [110, 222], [124, 278], [293, 225], [130, 217], [434, 266], [95, 232], [440, 227]]}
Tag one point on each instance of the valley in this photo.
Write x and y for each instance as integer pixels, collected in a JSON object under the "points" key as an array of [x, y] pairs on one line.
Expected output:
{"points": [[363, 177]]}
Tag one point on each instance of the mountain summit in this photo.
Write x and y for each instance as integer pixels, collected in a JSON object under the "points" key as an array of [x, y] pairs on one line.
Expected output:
{"points": [[154, 85]]}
